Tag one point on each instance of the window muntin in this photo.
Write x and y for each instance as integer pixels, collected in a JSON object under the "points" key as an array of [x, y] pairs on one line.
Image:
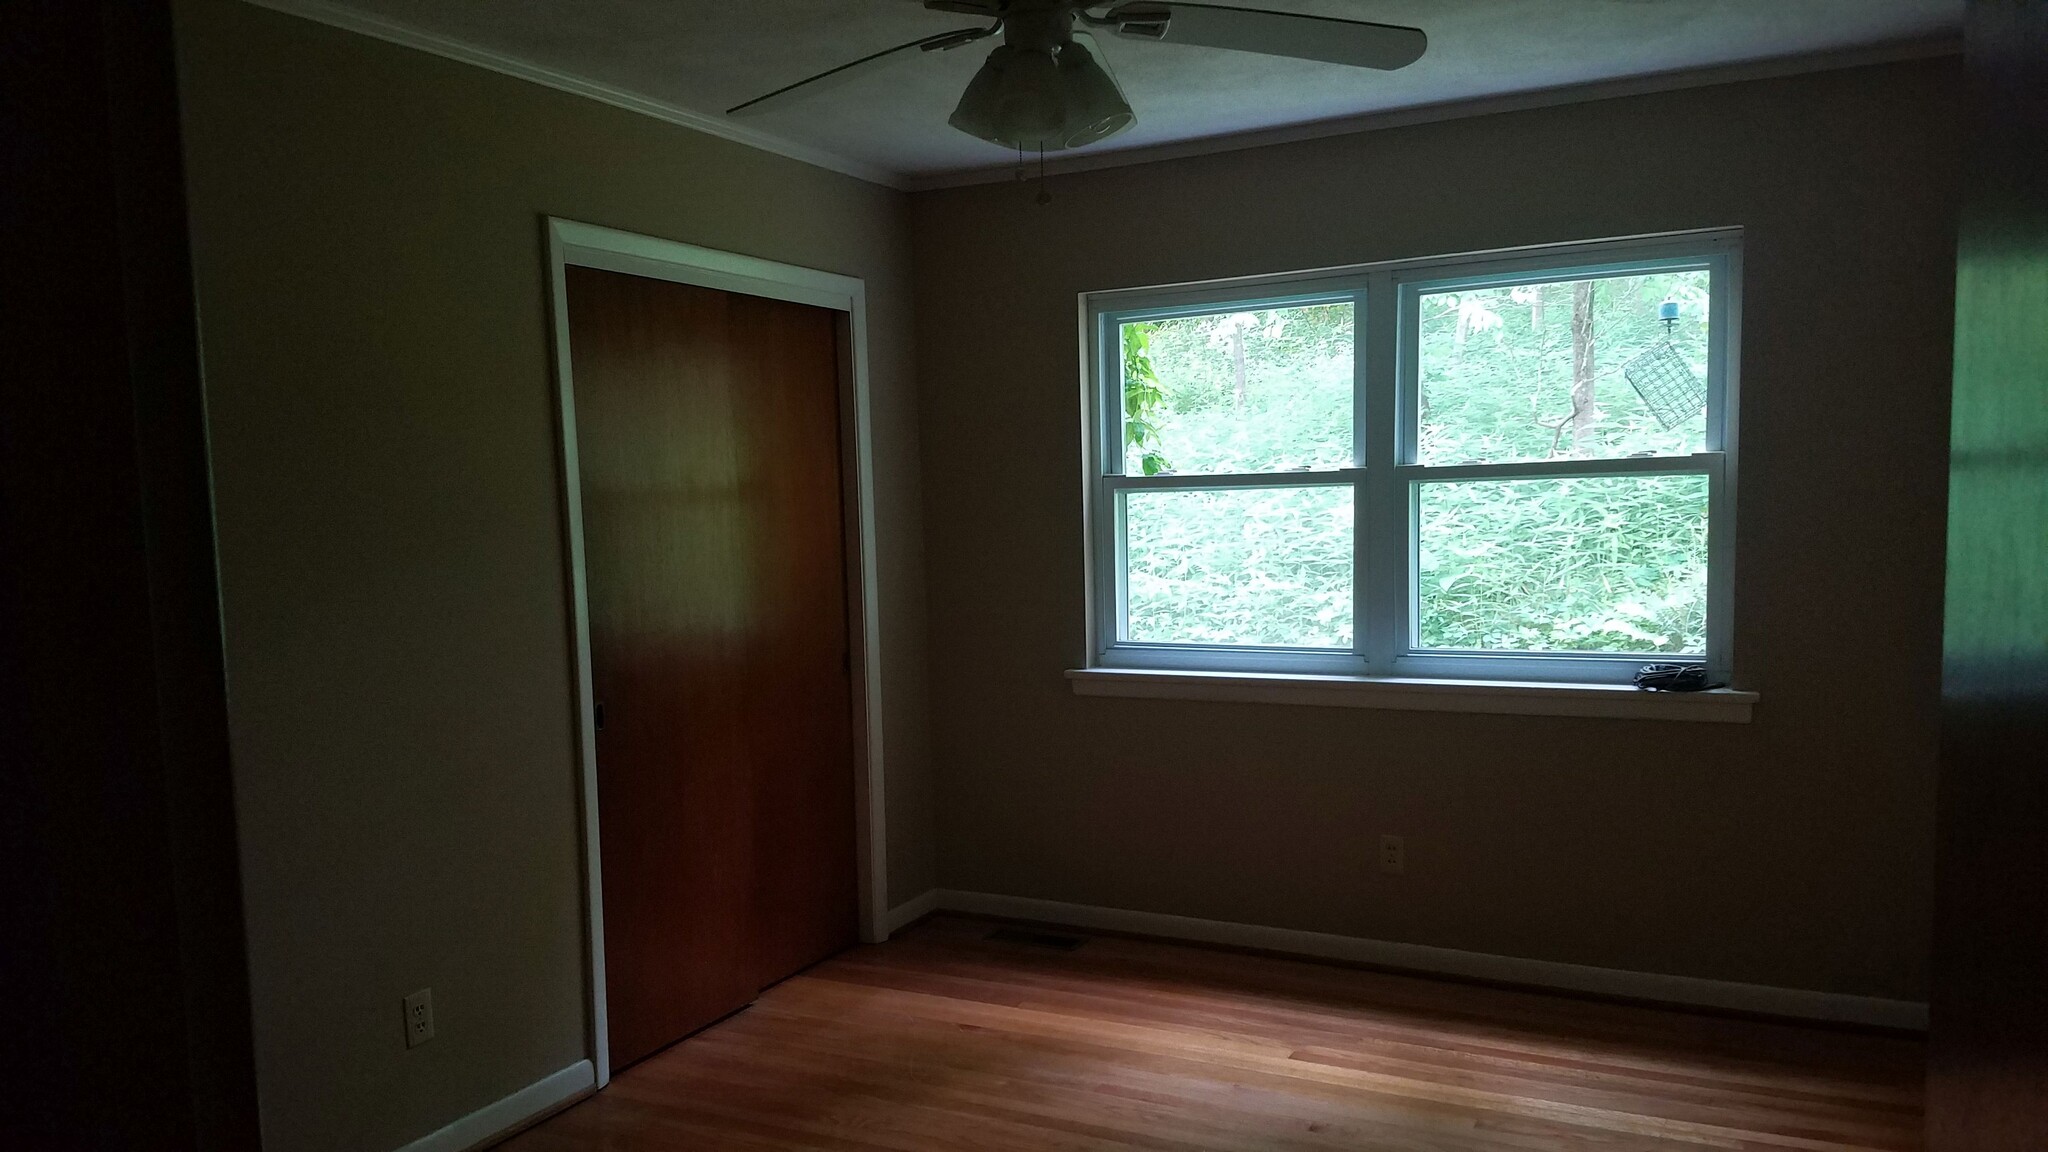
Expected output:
{"points": [[1623, 541]]}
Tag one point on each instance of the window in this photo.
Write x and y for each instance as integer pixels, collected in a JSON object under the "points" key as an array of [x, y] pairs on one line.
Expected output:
{"points": [[1513, 466]]}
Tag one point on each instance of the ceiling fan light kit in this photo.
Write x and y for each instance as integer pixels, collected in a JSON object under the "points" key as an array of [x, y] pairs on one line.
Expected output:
{"points": [[1044, 88], [1027, 98], [1096, 108]]}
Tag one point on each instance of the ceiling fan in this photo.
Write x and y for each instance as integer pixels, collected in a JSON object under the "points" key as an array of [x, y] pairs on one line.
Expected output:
{"points": [[1042, 88]]}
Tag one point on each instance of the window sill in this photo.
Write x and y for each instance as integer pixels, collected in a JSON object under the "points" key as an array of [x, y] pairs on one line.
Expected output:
{"points": [[1720, 705]]}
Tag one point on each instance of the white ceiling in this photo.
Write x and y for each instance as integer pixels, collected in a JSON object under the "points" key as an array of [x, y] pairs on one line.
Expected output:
{"points": [[706, 55]]}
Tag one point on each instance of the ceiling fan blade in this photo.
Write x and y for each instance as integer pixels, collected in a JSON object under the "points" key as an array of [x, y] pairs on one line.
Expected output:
{"points": [[1326, 38], [826, 81]]}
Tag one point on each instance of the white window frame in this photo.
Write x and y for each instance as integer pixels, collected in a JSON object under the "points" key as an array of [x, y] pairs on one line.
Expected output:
{"points": [[1386, 301]]}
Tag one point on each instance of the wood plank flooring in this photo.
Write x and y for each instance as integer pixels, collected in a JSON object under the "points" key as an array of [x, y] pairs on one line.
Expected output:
{"points": [[944, 1039]]}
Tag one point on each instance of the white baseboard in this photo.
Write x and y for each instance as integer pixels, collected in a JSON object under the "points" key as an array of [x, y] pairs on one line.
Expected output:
{"points": [[498, 1119], [914, 909], [1693, 991]]}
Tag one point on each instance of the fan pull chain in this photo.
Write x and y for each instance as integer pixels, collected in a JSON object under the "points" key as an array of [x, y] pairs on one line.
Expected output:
{"points": [[1024, 173]]}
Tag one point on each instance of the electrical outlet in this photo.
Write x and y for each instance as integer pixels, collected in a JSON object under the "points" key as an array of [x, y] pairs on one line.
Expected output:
{"points": [[419, 1018], [1393, 855]]}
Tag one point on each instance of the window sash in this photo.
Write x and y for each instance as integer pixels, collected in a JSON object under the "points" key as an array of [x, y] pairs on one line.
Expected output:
{"points": [[1385, 417]]}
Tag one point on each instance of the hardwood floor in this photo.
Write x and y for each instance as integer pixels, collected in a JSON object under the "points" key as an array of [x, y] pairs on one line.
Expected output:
{"points": [[945, 1039]]}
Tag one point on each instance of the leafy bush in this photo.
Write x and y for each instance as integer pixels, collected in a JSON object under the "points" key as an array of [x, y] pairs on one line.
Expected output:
{"points": [[1591, 564], [1241, 566]]}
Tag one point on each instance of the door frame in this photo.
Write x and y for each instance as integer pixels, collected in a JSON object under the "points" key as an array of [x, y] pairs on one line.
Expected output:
{"points": [[570, 243]]}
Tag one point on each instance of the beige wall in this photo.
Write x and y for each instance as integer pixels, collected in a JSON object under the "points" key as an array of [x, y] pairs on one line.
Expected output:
{"points": [[1794, 851], [367, 242], [367, 236]]}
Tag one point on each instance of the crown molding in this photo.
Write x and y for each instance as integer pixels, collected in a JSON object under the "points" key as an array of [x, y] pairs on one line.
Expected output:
{"points": [[1772, 68], [337, 15], [396, 32]]}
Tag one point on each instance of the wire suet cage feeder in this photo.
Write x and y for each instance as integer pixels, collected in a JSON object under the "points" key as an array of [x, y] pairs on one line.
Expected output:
{"points": [[1672, 391]]}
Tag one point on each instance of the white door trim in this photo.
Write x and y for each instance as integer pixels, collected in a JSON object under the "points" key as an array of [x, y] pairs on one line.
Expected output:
{"points": [[589, 246]]}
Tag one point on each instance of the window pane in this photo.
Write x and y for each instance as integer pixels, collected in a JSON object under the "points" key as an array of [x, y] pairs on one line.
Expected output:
{"points": [[1244, 566], [1569, 368], [1607, 564], [1267, 390]]}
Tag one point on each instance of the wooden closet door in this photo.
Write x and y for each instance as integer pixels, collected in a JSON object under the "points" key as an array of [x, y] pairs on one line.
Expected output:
{"points": [[800, 736], [707, 442]]}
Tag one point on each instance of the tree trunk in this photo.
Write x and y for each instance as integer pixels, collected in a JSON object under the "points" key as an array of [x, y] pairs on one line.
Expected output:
{"points": [[1237, 360], [1585, 409]]}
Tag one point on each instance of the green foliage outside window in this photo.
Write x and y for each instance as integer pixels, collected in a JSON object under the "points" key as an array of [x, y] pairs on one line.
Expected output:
{"points": [[1143, 398], [1616, 564], [1241, 566], [1589, 564]]}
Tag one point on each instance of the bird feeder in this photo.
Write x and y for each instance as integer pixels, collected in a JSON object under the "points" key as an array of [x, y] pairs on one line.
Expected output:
{"points": [[1670, 389]]}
